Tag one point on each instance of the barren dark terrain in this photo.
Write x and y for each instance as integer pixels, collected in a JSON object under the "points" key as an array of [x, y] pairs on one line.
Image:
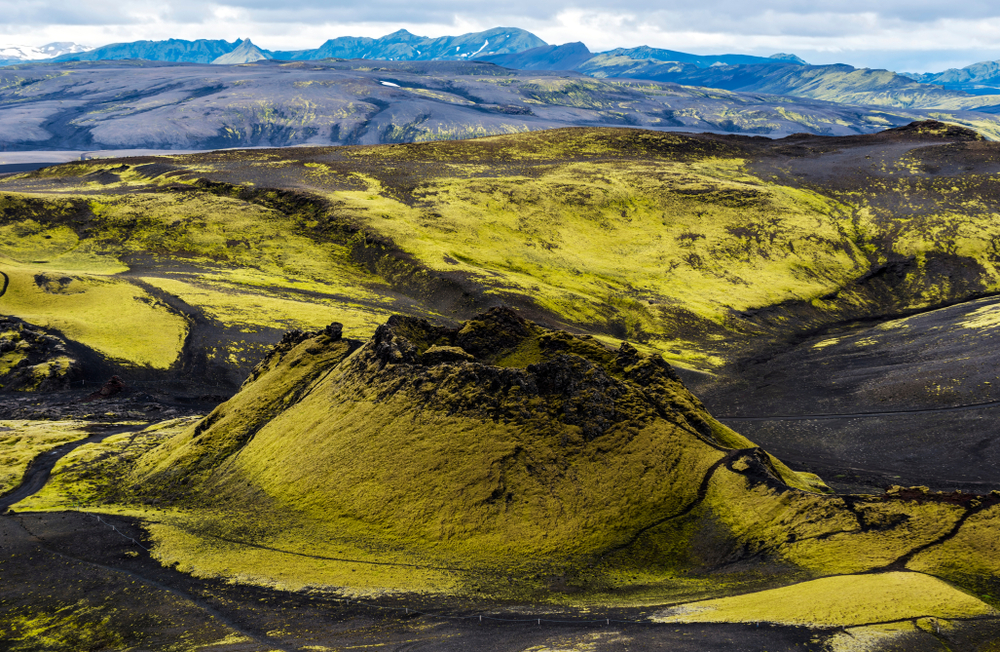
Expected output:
{"points": [[115, 105]]}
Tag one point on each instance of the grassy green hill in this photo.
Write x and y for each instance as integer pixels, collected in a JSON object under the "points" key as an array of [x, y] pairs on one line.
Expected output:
{"points": [[501, 459], [699, 247]]}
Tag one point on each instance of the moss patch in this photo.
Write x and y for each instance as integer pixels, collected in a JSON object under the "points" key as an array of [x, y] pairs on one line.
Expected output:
{"points": [[837, 601], [114, 317]]}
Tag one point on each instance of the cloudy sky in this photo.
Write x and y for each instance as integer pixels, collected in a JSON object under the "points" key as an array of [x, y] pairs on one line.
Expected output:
{"points": [[914, 35]]}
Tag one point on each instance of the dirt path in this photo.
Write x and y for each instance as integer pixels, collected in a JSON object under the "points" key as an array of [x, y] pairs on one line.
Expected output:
{"points": [[38, 471]]}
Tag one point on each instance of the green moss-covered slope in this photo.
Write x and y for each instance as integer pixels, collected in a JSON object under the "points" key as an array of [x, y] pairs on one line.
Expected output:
{"points": [[704, 248], [448, 459], [498, 440]]}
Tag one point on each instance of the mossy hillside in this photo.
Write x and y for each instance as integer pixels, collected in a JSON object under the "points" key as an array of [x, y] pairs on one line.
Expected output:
{"points": [[446, 217], [433, 446], [116, 318], [250, 314], [823, 534], [685, 244], [278, 382], [31, 359], [257, 273], [873, 221], [416, 443], [970, 558], [278, 548], [212, 230], [628, 249], [257, 544], [429, 459], [490, 465], [838, 601], [55, 247]]}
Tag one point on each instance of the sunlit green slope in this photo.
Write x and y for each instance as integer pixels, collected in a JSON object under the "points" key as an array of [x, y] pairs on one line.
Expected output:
{"points": [[505, 459], [700, 247]]}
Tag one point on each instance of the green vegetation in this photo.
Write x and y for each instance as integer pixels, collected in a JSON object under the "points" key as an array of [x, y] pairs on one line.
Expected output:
{"points": [[838, 601], [92, 629], [689, 246], [450, 458], [447, 460], [970, 557], [94, 466], [115, 318], [503, 510], [518, 484], [23, 441]]}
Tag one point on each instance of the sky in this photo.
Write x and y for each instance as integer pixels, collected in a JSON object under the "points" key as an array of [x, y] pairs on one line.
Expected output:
{"points": [[911, 36]]}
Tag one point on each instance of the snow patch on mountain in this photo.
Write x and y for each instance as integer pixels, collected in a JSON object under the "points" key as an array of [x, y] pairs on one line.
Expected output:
{"points": [[33, 53]]}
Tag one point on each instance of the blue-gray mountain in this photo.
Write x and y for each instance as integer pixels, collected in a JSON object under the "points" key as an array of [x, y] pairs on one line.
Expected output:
{"points": [[780, 74], [971, 88], [981, 78], [398, 46], [404, 46], [174, 50], [574, 56]]}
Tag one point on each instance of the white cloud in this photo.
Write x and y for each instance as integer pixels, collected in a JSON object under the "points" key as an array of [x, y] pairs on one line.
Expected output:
{"points": [[910, 35]]}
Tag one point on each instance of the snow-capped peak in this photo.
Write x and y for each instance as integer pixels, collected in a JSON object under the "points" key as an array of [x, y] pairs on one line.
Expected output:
{"points": [[47, 51]]}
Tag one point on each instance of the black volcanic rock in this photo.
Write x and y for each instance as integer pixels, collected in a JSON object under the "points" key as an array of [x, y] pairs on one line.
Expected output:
{"points": [[31, 359]]}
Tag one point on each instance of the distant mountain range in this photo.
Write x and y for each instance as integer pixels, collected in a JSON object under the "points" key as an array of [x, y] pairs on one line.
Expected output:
{"points": [[981, 78], [173, 50], [976, 87], [117, 105], [398, 46], [404, 46], [780, 74]]}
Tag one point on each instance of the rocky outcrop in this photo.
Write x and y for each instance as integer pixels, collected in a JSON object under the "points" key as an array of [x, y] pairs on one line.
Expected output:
{"points": [[33, 360], [498, 366]]}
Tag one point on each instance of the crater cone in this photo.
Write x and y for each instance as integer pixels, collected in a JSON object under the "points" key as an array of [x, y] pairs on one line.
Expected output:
{"points": [[496, 440]]}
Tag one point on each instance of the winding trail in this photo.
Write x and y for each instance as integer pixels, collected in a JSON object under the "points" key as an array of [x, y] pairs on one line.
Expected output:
{"points": [[6, 282], [35, 478], [319, 557], [41, 467], [698, 499]]}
